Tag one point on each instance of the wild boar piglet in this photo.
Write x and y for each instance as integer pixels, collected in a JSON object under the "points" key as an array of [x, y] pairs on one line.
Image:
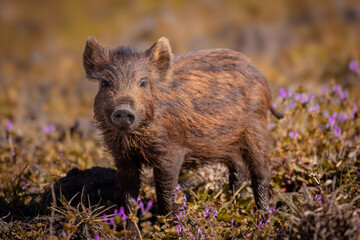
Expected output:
{"points": [[170, 111]]}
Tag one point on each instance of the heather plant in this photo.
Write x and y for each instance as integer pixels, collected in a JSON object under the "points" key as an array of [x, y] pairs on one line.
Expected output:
{"points": [[315, 177]]}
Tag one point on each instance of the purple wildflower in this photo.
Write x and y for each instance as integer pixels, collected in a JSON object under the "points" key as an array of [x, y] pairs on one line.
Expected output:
{"points": [[260, 224], [283, 93], [9, 126], [326, 113], [336, 130], [311, 96], [273, 105], [111, 221], [24, 187], [358, 172], [61, 154], [271, 126], [32, 190], [122, 213], [342, 96], [317, 198], [182, 215], [149, 205], [267, 221], [355, 110], [315, 108], [97, 237], [104, 218], [354, 65], [272, 210], [338, 91], [206, 214], [297, 97], [175, 196], [293, 134], [121, 210], [213, 212], [232, 222], [341, 117], [332, 119], [184, 200], [303, 98], [178, 228], [12, 152], [116, 211], [324, 89], [138, 200], [178, 187], [49, 128], [141, 204]]}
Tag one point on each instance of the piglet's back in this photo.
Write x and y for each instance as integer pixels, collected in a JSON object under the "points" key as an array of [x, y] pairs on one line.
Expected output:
{"points": [[218, 81]]}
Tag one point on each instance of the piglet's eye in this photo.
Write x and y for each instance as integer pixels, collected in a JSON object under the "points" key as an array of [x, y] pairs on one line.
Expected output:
{"points": [[144, 83], [105, 84]]}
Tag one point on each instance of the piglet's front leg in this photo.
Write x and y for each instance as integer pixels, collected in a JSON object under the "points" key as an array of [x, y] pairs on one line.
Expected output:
{"points": [[129, 181], [129, 185], [166, 179]]}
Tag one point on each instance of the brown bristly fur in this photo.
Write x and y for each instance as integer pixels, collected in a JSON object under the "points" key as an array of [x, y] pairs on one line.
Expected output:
{"points": [[200, 107]]}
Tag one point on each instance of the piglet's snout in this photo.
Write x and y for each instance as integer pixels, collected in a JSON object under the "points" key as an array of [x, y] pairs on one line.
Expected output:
{"points": [[123, 116]]}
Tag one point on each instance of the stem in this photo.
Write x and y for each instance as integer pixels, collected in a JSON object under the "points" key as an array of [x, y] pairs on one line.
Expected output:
{"points": [[138, 230], [124, 225], [194, 215]]}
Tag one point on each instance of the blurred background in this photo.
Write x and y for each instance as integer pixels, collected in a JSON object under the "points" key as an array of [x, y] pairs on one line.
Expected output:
{"points": [[294, 43]]}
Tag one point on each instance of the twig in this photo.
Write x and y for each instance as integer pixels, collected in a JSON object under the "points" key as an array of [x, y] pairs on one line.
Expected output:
{"points": [[52, 209]]}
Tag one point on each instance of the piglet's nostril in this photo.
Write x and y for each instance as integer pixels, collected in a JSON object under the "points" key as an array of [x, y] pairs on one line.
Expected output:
{"points": [[123, 116]]}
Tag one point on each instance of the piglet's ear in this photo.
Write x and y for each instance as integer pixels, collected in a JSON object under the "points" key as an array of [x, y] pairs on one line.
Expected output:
{"points": [[161, 56], [94, 56]]}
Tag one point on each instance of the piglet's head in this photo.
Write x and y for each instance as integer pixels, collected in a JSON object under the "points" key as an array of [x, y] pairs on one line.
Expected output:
{"points": [[127, 81]]}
